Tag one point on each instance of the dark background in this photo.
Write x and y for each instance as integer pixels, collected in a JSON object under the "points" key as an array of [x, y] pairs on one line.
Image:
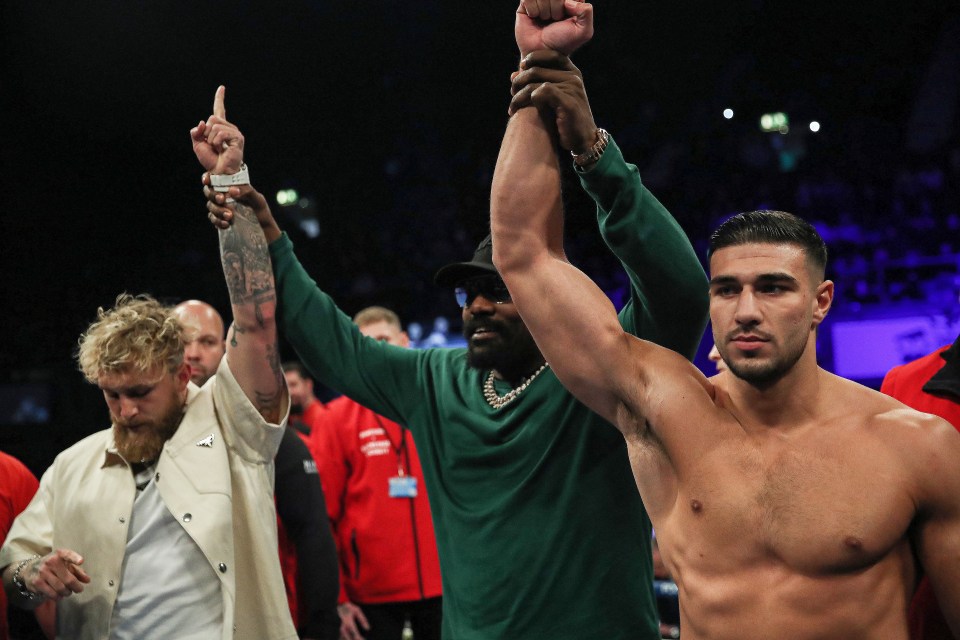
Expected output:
{"points": [[387, 117]]}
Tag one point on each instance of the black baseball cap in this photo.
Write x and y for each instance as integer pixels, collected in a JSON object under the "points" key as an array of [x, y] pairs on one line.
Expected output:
{"points": [[481, 265]]}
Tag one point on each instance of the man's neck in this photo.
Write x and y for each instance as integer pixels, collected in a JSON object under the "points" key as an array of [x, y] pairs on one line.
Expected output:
{"points": [[789, 402], [517, 374]]}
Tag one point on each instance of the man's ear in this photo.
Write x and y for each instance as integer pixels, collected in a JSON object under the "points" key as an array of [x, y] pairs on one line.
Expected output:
{"points": [[823, 300], [404, 339], [182, 376]]}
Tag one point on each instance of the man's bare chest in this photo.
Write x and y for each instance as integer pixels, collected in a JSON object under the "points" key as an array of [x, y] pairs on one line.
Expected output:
{"points": [[819, 507]]}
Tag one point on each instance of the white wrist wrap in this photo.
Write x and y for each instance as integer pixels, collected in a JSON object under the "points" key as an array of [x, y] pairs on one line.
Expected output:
{"points": [[223, 182]]}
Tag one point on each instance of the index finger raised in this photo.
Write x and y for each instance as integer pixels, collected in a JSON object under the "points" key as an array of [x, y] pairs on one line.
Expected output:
{"points": [[218, 108]]}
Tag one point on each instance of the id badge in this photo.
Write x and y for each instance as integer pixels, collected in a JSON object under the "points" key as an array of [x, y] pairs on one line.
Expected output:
{"points": [[403, 487]]}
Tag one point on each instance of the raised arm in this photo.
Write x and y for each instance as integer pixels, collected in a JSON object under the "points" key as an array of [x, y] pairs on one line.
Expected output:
{"points": [[572, 321], [252, 346]]}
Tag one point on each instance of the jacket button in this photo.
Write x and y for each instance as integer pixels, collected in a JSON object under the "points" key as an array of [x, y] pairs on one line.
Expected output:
{"points": [[110, 583], [157, 477], [122, 519], [222, 567], [187, 517]]}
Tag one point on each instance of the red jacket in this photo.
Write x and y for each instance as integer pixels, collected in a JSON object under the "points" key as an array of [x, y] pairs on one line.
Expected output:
{"points": [[17, 486], [930, 384], [387, 547]]}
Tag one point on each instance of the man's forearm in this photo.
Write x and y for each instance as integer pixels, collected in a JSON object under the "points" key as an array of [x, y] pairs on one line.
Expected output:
{"points": [[526, 210], [252, 346]]}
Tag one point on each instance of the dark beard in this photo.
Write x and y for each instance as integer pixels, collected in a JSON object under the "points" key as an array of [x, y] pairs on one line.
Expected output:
{"points": [[512, 352], [766, 376], [146, 445]]}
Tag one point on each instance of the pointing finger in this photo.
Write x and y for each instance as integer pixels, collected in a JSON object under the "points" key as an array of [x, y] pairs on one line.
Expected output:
{"points": [[218, 108]]}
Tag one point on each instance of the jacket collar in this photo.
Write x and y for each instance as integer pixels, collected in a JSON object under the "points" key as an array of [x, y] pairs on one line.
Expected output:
{"points": [[946, 381]]}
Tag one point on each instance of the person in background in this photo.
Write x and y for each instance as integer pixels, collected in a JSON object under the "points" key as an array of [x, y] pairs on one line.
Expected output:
{"points": [[206, 347], [377, 503], [930, 384], [306, 410], [17, 488], [714, 357]]}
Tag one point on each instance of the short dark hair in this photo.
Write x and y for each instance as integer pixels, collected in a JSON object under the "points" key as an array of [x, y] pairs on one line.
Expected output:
{"points": [[774, 227]]}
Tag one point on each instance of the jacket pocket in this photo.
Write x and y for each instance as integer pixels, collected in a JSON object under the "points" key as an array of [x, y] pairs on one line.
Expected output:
{"points": [[355, 549]]}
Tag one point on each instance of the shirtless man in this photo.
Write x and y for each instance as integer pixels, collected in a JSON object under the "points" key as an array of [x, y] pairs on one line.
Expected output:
{"points": [[789, 502]]}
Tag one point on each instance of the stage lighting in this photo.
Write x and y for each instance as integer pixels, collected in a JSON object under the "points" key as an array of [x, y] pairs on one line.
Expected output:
{"points": [[775, 122]]}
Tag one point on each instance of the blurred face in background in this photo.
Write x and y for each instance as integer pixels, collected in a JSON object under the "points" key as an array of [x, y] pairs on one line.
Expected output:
{"points": [[301, 391], [205, 351], [715, 358], [385, 332]]}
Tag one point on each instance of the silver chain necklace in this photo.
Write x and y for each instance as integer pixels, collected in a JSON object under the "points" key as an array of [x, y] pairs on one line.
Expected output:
{"points": [[497, 401]]}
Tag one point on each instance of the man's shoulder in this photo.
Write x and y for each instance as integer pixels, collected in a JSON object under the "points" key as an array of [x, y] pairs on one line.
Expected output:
{"points": [[345, 411], [906, 430], [926, 446], [90, 450], [99, 440], [339, 405], [859, 405]]}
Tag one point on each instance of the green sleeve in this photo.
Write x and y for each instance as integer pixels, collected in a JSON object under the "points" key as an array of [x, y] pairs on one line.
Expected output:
{"points": [[377, 375], [668, 287]]}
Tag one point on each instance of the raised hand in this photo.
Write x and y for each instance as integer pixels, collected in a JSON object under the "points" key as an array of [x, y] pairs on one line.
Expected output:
{"points": [[550, 82], [217, 143], [220, 207], [561, 25]]}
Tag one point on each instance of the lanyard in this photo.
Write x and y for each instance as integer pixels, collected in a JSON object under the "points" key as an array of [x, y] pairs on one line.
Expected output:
{"points": [[399, 449]]}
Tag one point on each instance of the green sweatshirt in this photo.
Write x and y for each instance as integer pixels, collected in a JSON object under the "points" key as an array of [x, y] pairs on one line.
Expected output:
{"points": [[540, 529]]}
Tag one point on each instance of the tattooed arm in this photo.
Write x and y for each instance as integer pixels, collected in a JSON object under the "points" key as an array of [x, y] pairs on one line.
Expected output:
{"points": [[252, 347]]}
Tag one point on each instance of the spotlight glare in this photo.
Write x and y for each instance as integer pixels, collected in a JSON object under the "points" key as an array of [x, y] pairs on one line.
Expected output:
{"points": [[814, 126], [776, 121], [728, 113], [287, 196]]}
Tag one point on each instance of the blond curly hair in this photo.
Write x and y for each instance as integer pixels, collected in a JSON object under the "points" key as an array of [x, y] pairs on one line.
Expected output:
{"points": [[137, 333]]}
